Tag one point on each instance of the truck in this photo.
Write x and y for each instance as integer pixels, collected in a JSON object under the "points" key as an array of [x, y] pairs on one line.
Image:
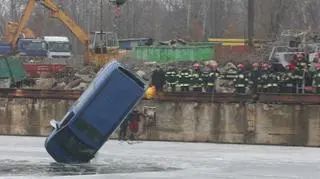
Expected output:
{"points": [[51, 47], [58, 47], [32, 48]]}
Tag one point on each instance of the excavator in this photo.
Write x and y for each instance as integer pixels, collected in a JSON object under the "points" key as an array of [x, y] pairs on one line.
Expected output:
{"points": [[100, 46], [11, 29]]}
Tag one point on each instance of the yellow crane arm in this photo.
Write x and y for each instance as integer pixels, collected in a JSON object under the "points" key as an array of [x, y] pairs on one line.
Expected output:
{"points": [[66, 20], [24, 19]]}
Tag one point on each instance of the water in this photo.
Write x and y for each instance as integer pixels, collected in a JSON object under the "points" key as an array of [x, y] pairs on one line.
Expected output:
{"points": [[25, 157]]}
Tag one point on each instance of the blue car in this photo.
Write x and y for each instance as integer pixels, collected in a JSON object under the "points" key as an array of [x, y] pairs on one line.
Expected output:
{"points": [[93, 118]]}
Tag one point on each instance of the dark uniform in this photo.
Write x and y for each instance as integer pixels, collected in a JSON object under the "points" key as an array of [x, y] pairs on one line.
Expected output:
{"points": [[214, 75], [255, 78], [158, 78], [241, 81], [316, 79], [273, 82], [185, 78], [209, 77], [197, 81], [230, 74], [206, 77], [264, 78], [172, 79], [299, 75], [287, 81], [302, 66]]}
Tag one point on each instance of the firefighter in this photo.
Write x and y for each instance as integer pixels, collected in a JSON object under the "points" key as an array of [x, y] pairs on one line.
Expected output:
{"points": [[302, 62], [273, 82], [197, 81], [264, 78], [209, 76], [231, 73], [185, 80], [158, 78], [172, 78], [206, 77], [255, 78], [214, 75], [299, 77], [288, 80], [316, 79], [241, 81]]}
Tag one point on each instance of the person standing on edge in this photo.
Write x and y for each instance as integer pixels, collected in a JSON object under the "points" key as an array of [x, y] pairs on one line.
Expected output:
{"points": [[172, 78], [134, 124], [185, 78], [255, 75], [124, 127], [241, 81], [316, 79], [197, 81], [158, 78]]}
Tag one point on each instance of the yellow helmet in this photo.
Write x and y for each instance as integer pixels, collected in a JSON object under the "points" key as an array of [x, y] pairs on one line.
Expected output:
{"points": [[151, 92]]}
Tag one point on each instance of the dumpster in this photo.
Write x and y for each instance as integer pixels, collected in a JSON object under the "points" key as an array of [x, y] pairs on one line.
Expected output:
{"points": [[36, 70], [11, 71], [180, 53]]}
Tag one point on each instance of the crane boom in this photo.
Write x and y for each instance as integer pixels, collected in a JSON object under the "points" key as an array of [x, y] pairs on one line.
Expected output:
{"points": [[100, 53], [66, 20], [23, 21]]}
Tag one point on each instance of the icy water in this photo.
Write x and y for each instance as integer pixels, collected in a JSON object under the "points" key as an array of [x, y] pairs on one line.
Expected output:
{"points": [[25, 157]]}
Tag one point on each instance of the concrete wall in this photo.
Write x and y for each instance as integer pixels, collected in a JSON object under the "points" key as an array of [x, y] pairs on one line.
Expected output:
{"points": [[185, 121]]}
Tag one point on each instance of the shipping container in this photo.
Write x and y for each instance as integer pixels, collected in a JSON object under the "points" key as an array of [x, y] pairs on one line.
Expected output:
{"points": [[180, 53], [11, 71]]}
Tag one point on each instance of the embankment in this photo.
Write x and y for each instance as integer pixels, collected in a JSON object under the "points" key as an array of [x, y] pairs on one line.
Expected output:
{"points": [[243, 122]]}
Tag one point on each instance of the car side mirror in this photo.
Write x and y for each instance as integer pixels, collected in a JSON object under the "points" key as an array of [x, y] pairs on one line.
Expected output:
{"points": [[54, 124]]}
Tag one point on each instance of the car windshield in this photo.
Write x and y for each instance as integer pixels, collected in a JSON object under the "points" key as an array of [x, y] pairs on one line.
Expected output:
{"points": [[59, 46], [34, 46], [74, 146]]}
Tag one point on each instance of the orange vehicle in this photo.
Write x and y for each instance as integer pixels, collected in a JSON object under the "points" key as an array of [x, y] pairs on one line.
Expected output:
{"points": [[11, 29]]}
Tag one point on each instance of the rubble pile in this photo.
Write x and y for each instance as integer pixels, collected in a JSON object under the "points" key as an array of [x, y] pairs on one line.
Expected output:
{"points": [[79, 79], [73, 79]]}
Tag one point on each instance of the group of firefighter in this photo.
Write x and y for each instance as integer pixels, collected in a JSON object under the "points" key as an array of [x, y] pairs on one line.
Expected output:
{"points": [[259, 78]]}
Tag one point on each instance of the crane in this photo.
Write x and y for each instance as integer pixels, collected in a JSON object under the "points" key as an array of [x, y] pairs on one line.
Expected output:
{"points": [[100, 46]]}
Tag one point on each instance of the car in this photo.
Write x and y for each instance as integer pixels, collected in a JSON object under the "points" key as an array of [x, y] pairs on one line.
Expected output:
{"points": [[97, 113]]}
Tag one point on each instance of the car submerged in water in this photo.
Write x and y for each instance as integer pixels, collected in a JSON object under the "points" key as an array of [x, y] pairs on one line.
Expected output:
{"points": [[93, 118]]}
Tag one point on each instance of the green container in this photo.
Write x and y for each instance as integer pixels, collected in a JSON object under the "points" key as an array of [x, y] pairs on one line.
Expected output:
{"points": [[181, 53], [11, 70]]}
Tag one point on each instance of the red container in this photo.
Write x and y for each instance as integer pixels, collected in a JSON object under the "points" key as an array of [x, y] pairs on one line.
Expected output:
{"points": [[225, 51], [43, 70]]}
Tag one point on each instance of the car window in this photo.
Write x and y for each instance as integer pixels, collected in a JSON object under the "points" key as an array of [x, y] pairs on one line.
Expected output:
{"points": [[73, 145], [91, 132]]}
